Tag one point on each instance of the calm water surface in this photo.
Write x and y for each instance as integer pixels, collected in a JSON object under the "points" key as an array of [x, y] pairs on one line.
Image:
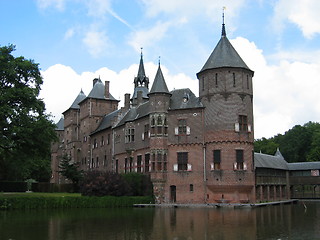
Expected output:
{"points": [[272, 222]]}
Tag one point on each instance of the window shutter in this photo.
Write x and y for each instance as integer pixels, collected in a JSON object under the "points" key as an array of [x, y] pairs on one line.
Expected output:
{"points": [[142, 136], [175, 167], [211, 166], [188, 130], [176, 130], [189, 167], [249, 128], [235, 166], [245, 166], [236, 127]]}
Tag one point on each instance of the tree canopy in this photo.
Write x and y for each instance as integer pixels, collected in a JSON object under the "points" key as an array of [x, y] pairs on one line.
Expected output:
{"points": [[26, 131], [299, 144]]}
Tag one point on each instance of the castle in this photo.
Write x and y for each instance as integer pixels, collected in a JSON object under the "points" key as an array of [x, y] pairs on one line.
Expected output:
{"points": [[195, 149]]}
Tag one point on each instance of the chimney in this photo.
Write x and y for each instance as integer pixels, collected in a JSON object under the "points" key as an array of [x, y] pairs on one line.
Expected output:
{"points": [[95, 81], [139, 97], [127, 101], [106, 89]]}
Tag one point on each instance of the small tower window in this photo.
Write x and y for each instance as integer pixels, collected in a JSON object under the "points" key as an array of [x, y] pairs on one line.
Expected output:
{"points": [[247, 81], [234, 79], [216, 79], [202, 83]]}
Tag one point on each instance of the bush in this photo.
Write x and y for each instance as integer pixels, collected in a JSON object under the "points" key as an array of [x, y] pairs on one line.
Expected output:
{"points": [[97, 183], [140, 184]]}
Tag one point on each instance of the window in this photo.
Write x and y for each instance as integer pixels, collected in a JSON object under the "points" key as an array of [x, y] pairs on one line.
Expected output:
{"points": [[131, 164], [239, 159], [159, 161], [234, 79], [182, 161], [139, 160], [216, 79], [146, 132], [129, 135], [247, 81], [202, 83], [97, 162], [146, 162], [125, 165], [182, 126], [191, 187], [108, 139], [95, 144], [102, 141], [243, 123], [216, 159], [117, 166]]}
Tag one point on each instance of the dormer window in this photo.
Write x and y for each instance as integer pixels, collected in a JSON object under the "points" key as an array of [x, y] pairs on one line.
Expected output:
{"points": [[185, 98]]}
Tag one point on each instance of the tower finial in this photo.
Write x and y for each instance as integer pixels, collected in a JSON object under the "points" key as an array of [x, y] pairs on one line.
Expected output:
{"points": [[223, 33], [141, 51], [159, 60]]}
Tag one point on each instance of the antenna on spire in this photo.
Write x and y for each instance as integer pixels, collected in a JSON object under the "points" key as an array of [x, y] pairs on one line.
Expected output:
{"points": [[223, 33], [159, 60], [141, 50]]}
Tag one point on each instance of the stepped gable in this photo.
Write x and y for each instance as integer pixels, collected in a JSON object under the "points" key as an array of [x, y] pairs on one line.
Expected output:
{"points": [[184, 99]]}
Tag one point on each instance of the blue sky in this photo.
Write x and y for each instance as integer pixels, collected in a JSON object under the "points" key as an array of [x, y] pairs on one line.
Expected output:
{"points": [[75, 41]]}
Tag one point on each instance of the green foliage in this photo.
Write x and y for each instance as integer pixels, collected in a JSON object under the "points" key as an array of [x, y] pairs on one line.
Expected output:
{"points": [[140, 184], [98, 183], [49, 201], [70, 170], [25, 130], [299, 144]]}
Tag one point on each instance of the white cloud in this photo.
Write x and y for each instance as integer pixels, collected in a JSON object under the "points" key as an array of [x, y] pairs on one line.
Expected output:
{"points": [[284, 95], [69, 33], [62, 84], [58, 4], [305, 14], [97, 42], [150, 37]]}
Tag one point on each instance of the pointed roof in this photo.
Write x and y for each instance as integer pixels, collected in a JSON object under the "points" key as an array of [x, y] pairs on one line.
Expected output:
{"points": [[141, 81], [79, 98], [159, 84], [60, 125], [224, 55]]}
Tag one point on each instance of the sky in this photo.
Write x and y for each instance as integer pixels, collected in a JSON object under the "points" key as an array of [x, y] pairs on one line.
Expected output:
{"points": [[75, 41]]}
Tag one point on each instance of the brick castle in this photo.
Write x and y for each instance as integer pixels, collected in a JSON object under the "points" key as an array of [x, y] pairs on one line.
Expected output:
{"points": [[195, 149]]}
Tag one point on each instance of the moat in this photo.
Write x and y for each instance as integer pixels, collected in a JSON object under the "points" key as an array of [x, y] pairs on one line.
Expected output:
{"points": [[289, 221]]}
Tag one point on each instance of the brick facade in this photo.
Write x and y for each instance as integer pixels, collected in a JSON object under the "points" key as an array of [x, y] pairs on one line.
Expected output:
{"points": [[196, 149]]}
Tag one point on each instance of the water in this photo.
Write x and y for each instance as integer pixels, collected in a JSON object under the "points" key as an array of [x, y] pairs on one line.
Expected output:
{"points": [[272, 222]]}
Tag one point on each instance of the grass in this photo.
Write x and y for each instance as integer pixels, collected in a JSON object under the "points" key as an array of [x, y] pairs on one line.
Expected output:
{"points": [[66, 200]]}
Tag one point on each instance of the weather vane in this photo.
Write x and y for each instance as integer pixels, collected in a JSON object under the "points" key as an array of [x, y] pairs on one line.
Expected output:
{"points": [[223, 9]]}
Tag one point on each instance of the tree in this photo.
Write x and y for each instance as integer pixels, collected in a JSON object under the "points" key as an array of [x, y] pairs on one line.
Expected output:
{"points": [[26, 132], [70, 170]]}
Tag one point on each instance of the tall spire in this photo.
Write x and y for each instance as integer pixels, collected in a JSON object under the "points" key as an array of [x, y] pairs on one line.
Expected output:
{"points": [[223, 33]]}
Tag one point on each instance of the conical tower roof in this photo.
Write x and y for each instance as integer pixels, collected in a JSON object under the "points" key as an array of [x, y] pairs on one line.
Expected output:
{"points": [[79, 98], [159, 84], [224, 55], [141, 82], [98, 91]]}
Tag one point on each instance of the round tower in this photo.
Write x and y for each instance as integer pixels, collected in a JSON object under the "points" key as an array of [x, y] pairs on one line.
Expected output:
{"points": [[225, 90]]}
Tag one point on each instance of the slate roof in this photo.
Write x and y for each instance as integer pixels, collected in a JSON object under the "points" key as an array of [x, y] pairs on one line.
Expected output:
{"points": [[304, 166], [268, 161], [98, 92], [79, 98], [224, 55], [145, 92], [107, 121], [184, 99], [135, 113], [60, 125], [159, 84]]}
